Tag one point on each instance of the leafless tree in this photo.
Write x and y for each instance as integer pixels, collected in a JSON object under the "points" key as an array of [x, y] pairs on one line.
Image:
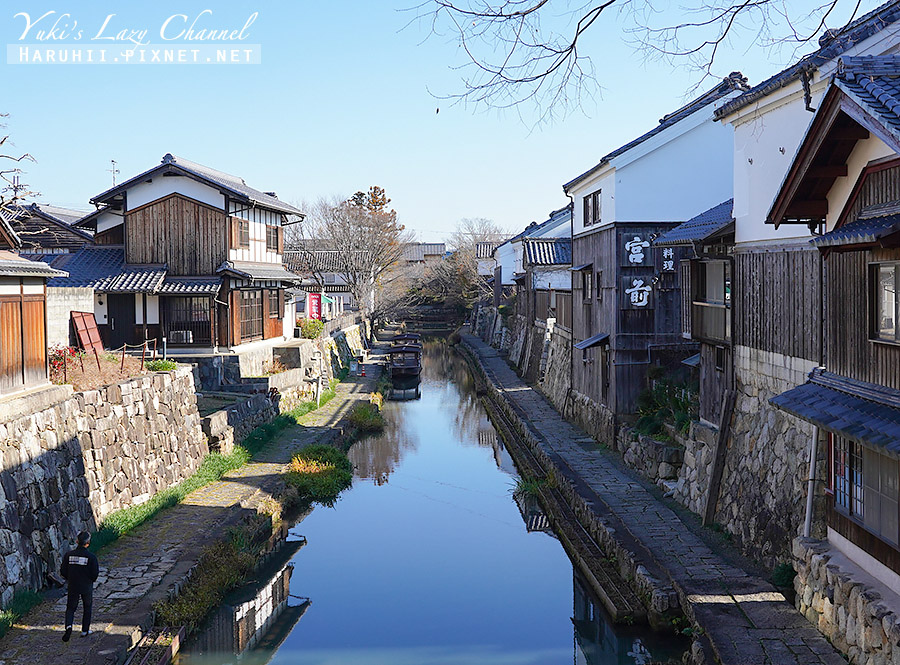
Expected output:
{"points": [[12, 191], [530, 50], [366, 240], [456, 281]]}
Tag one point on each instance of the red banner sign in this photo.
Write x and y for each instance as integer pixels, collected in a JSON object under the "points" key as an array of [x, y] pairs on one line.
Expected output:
{"points": [[315, 306]]}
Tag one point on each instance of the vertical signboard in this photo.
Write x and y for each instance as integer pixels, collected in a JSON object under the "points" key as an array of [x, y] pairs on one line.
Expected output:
{"points": [[315, 306]]}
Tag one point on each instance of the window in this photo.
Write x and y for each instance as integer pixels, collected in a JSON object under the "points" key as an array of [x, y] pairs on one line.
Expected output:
{"points": [[886, 277], [251, 315], [587, 287], [711, 300], [274, 309], [720, 358], [592, 203], [597, 285], [187, 320], [865, 486], [244, 233], [271, 238]]}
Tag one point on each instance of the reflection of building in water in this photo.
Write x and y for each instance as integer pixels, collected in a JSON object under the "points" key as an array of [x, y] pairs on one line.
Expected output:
{"points": [[376, 457], [247, 614], [532, 513], [487, 438], [596, 643]]}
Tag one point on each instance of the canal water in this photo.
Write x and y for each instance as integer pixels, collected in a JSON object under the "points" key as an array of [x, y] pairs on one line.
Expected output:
{"points": [[429, 560]]}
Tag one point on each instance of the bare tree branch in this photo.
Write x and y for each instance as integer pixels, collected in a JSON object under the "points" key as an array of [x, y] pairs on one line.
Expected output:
{"points": [[527, 51]]}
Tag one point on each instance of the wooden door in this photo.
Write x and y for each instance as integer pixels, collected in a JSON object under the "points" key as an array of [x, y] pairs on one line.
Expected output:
{"points": [[11, 360]]}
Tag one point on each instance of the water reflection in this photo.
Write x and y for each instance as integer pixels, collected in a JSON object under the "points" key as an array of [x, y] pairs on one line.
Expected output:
{"points": [[425, 560]]}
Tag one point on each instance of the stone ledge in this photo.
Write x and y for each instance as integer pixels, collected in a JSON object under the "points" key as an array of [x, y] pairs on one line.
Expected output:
{"points": [[33, 401]]}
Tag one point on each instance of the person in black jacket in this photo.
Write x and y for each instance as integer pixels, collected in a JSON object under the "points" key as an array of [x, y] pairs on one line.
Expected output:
{"points": [[81, 568]]}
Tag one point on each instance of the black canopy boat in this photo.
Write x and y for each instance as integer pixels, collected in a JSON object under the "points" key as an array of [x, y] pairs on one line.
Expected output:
{"points": [[405, 360], [406, 338]]}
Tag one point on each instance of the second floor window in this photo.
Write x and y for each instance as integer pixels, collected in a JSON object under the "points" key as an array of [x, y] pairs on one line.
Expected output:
{"points": [[886, 278], [592, 204], [711, 300], [271, 238], [244, 234]]}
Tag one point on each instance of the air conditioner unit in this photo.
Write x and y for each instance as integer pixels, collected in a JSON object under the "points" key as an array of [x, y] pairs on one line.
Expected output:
{"points": [[181, 336]]}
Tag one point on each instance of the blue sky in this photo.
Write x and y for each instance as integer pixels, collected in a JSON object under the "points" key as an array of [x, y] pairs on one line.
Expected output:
{"points": [[344, 99]]}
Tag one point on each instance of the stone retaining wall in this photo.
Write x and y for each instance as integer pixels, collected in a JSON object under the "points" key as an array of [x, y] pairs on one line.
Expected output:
{"points": [[660, 596], [557, 381], [763, 496], [658, 461], [845, 604], [68, 465]]}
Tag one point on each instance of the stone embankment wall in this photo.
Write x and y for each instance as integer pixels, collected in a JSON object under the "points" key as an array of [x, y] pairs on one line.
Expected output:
{"points": [[542, 351], [767, 464], [845, 603], [345, 344], [68, 465]]}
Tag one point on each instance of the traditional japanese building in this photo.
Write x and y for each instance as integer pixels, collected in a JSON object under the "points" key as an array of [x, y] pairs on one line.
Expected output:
{"points": [[627, 307], [189, 254]]}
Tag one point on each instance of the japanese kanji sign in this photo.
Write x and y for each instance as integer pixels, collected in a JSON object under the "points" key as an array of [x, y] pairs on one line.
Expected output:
{"points": [[637, 250], [315, 306], [637, 292], [668, 259]]}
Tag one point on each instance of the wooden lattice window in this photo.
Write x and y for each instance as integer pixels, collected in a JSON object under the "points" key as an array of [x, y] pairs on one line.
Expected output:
{"points": [[244, 233], [272, 238], [251, 315], [274, 308]]}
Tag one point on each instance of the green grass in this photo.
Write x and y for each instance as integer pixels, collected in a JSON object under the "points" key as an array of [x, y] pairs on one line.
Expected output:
{"points": [[366, 417], [160, 365], [222, 567], [529, 486], [213, 467], [320, 473], [22, 602]]}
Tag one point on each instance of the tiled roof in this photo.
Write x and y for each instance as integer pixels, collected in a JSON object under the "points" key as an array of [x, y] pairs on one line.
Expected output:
{"points": [[64, 215], [417, 251], [11, 266], [137, 279], [234, 185], [832, 44], [701, 227], [873, 82], [548, 251], [485, 250], [258, 272], [304, 262], [853, 409], [873, 224], [93, 267], [734, 81], [189, 286]]}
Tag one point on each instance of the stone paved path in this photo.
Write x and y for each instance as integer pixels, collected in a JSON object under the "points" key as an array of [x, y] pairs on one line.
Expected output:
{"points": [[747, 621], [137, 570]]}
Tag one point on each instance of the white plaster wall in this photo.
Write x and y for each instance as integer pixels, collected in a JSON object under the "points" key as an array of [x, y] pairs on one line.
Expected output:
{"points": [[107, 220], [505, 256], [605, 180], [559, 279], [152, 309], [257, 251], [101, 313], [864, 152], [161, 186], [681, 178]]}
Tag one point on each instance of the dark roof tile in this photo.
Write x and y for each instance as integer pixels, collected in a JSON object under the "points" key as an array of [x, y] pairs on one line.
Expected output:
{"points": [[706, 224]]}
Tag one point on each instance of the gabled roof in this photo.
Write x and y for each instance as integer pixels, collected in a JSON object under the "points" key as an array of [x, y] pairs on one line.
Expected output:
{"points": [[323, 261], [734, 81], [40, 225], [234, 186], [864, 97], [66, 216], [556, 217], [548, 251], [712, 222], [832, 44]]}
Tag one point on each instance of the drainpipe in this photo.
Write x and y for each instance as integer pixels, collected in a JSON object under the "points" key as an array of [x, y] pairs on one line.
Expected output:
{"points": [[814, 443]]}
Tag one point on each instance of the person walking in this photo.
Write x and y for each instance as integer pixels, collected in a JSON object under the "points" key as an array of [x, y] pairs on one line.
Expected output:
{"points": [[80, 568]]}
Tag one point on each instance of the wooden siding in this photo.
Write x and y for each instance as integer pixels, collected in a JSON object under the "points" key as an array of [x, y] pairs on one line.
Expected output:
{"points": [[23, 342], [714, 382], [273, 327], [189, 236], [113, 236], [878, 183], [11, 353], [777, 302], [850, 352]]}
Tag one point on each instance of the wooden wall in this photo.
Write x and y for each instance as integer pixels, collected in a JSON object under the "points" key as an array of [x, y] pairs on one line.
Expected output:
{"points": [[878, 183], [714, 382], [850, 352], [191, 237], [777, 300], [23, 342]]}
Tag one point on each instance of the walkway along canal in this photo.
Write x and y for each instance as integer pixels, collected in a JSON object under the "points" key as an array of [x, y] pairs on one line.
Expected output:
{"points": [[428, 558]]}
